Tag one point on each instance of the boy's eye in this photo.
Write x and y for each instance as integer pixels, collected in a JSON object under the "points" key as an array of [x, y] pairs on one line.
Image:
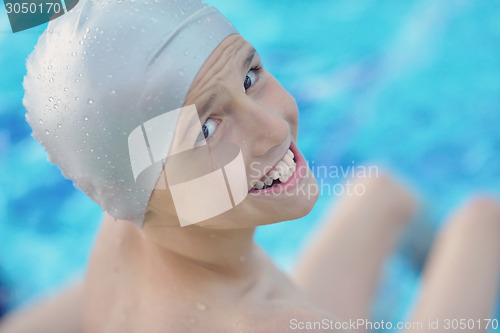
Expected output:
{"points": [[207, 129], [249, 79]]}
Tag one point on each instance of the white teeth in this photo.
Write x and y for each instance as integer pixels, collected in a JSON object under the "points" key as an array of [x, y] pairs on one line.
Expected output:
{"points": [[282, 171], [289, 161], [268, 181], [259, 185], [282, 168], [284, 178], [274, 174]]}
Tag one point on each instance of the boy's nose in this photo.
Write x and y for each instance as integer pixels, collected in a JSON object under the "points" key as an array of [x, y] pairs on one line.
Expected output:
{"points": [[265, 128]]}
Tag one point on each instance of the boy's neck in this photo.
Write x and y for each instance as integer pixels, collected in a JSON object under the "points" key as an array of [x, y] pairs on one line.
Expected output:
{"points": [[227, 253]]}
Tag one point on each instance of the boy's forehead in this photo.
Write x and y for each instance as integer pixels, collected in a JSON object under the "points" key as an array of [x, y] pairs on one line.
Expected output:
{"points": [[229, 48], [227, 59]]}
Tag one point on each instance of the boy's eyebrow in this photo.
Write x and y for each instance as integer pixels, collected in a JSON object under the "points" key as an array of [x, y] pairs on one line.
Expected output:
{"points": [[248, 59], [207, 105]]}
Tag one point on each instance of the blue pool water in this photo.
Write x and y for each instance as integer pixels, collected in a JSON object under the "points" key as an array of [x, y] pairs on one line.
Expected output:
{"points": [[410, 85]]}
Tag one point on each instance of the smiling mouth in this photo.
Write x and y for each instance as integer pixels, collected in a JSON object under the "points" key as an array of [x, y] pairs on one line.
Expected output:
{"points": [[280, 174]]}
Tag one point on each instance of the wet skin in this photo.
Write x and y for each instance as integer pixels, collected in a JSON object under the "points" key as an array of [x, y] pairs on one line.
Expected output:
{"points": [[209, 275]]}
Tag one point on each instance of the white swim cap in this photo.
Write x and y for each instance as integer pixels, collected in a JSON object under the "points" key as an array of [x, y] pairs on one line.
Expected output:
{"points": [[102, 70]]}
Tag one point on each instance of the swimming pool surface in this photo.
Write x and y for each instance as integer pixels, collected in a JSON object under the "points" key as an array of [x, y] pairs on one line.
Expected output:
{"points": [[410, 85]]}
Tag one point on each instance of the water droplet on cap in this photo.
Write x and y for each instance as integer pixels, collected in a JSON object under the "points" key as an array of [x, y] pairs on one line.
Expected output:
{"points": [[90, 101]]}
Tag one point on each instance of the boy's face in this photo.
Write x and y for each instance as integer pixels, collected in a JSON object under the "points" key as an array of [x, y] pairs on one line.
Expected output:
{"points": [[240, 103]]}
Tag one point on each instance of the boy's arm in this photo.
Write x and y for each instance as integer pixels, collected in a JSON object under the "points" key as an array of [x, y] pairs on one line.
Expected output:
{"points": [[60, 313]]}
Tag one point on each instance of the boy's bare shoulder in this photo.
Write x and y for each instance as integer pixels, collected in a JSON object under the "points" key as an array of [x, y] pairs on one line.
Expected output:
{"points": [[298, 317], [121, 297]]}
